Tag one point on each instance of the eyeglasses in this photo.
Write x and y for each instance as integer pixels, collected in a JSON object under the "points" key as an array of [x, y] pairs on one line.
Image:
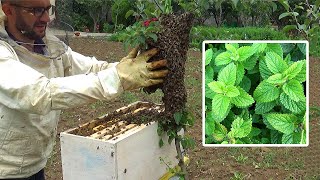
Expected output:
{"points": [[38, 11]]}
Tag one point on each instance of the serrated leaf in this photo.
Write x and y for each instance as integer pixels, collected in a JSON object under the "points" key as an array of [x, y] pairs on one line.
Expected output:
{"points": [[208, 92], [209, 54], [208, 74], [282, 122], [302, 47], [232, 91], [293, 138], [240, 128], [276, 137], [240, 73], [262, 108], [258, 47], [217, 87], [250, 63], [274, 47], [223, 58], [244, 53], [228, 74], [294, 90], [294, 69], [295, 107], [243, 100], [245, 84], [275, 63], [209, 125], [220, 107], [220, 132], [231, 48], [302, 75], [264, 70], [276, 79], [266, 92], [254, 132]]}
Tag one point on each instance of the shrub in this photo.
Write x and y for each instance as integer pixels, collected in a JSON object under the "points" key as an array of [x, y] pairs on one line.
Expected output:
{"points": [[201, 33]]}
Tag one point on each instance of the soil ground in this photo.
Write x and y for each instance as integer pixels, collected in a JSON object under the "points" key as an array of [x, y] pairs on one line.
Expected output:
{"points": [[206, 163]]}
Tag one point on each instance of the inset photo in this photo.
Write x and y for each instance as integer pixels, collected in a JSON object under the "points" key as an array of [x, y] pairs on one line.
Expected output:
{"points": [[255, 93]]}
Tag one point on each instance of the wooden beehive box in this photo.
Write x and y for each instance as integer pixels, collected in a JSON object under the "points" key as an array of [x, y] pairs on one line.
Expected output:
{"points": [[132, 152]]}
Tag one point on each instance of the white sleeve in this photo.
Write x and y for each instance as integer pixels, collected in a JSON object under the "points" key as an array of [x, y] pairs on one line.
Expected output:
{"points": [[76, 63], [25, 89]]}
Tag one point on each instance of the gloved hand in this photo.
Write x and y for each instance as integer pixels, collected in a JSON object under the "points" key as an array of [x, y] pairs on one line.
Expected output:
{"points": [[135, 72]]}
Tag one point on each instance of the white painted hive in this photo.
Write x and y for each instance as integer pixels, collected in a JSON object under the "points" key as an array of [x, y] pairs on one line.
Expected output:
{"points": [[132, 153]]}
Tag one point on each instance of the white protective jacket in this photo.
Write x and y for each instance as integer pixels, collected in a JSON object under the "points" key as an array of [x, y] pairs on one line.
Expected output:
{"points": [[33, 90]]}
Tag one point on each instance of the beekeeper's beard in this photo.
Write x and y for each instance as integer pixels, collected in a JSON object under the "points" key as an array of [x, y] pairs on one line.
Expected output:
{"points": [[28, 30]]}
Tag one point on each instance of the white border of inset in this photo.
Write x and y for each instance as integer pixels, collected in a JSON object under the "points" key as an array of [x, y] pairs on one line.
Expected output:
{"points": [[203, 93]]}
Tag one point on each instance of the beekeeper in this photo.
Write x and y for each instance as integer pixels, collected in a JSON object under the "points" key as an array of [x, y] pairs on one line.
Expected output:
{"points": [[40, 76]]}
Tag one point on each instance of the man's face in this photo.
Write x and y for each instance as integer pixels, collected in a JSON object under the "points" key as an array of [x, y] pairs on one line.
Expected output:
{"points": [[28, 17]]}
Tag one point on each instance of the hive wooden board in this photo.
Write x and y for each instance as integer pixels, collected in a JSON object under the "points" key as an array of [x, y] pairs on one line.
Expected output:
{"points": [[132, 155]]}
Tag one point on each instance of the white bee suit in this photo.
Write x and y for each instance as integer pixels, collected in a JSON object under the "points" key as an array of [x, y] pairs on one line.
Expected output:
{"points": [[33, 90]]}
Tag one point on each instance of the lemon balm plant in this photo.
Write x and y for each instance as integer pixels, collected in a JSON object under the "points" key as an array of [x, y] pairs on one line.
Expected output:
{"points": [[255, 93]]}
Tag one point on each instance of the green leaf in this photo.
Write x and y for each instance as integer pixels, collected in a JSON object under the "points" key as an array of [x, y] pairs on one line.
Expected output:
{"points": [[288, 28], [302, 47], [294, 90], [262, 108], [293, 138], [275, 63], [217, 87], [208, 74], [209, 125], [129, 13], [250, 63], [220, 107], [264, 70], [285, 14], [274, 47], [228, 74], [243, 100], [208, 78], [244, 53], [231, 48], [254, 132], [276, 137], [220, 132], [232, 91], [245, 84], [223, 58], [282, 122], [266, 92], [209, 54], [240, 73], [295, 107], [240, 128], [177, 117], [153, 36], [276, 79], [294, 69], [302, 75], [258, 47]]}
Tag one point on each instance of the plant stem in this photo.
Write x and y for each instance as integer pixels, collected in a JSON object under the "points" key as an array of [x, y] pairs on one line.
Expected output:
{"points": [[181, 159]]}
